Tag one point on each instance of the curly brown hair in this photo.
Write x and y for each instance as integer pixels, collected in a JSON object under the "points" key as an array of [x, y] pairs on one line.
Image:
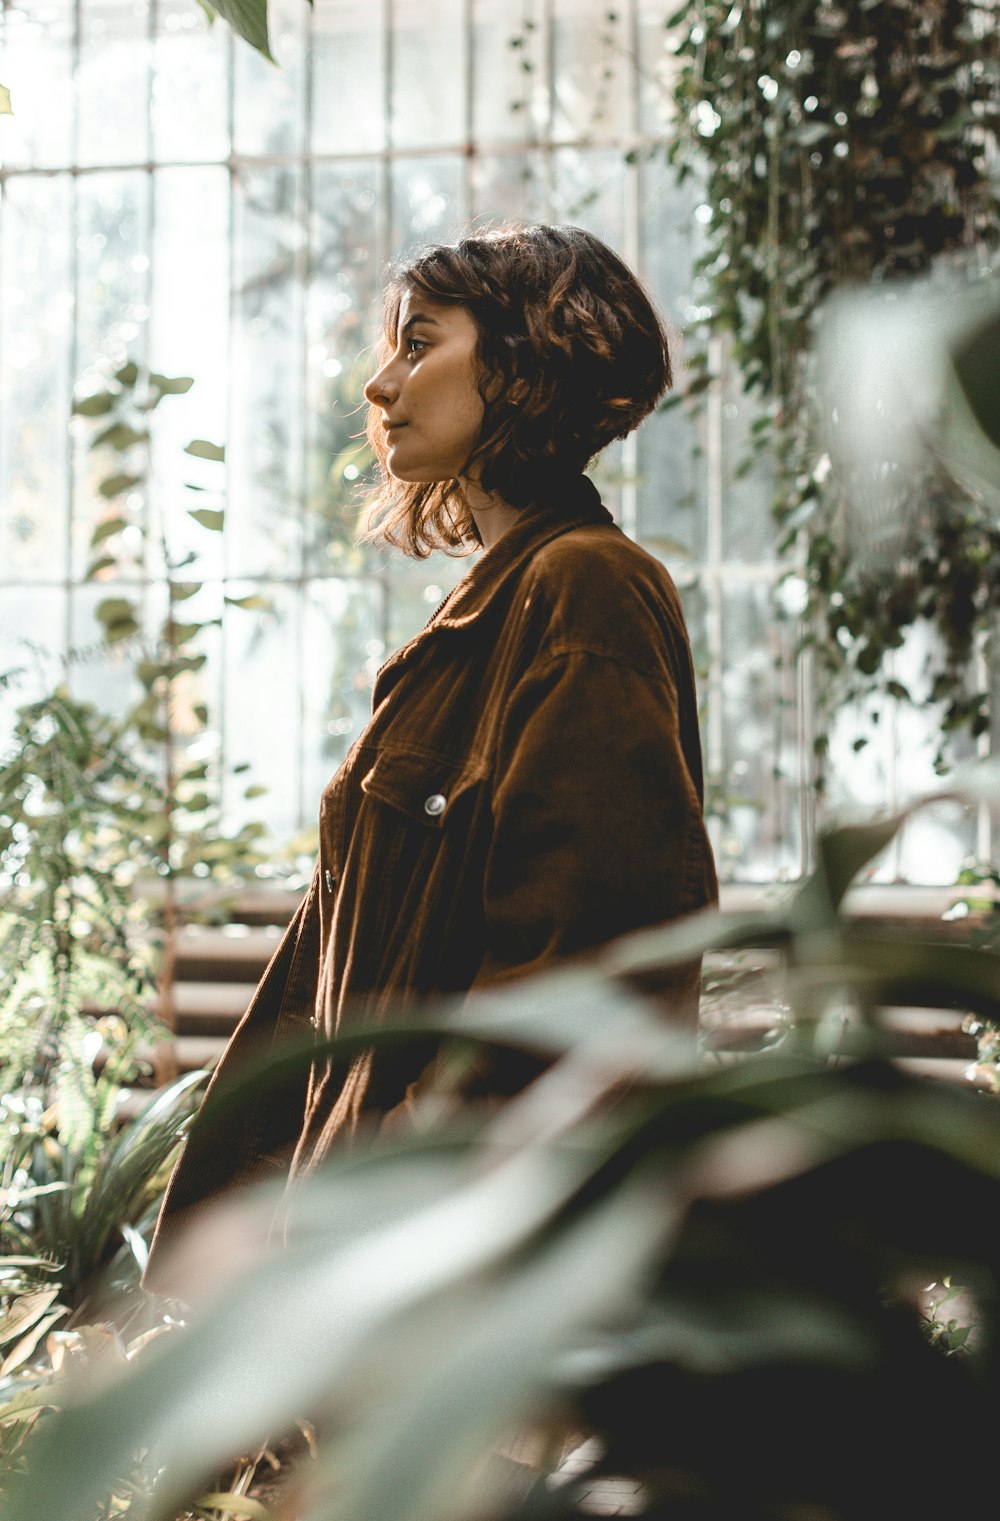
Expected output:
{"points": [[571, 355]]}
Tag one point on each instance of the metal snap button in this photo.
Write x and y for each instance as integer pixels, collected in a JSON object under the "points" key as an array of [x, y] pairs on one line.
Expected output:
{"points": [[328, 879], [435, 804]]}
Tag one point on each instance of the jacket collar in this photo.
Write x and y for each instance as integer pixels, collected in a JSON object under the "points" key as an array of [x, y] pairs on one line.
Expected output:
{"points": [[574, 504]]}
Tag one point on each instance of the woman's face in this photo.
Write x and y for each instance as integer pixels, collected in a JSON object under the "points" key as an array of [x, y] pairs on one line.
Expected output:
{"points": [[431, 408]]}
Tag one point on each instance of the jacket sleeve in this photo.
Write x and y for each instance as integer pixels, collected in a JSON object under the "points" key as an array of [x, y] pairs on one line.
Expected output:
{"points": [[597, 819]]}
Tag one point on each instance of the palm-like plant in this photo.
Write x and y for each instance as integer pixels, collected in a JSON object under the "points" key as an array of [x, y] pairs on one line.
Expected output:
{"points": [[713, 1271]]}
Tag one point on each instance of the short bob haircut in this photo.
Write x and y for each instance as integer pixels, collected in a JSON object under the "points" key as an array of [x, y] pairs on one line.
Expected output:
{"points": [[571, 355]]}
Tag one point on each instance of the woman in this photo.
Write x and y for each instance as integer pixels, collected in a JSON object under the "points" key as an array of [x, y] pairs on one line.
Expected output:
{"points": [[530, 783]]}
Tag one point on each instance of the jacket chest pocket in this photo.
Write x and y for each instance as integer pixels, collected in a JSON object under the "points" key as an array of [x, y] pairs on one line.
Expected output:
{"points": [[426, 789]]}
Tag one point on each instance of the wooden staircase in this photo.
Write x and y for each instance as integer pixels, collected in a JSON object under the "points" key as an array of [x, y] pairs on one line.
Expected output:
{"points": [[218, 968]]}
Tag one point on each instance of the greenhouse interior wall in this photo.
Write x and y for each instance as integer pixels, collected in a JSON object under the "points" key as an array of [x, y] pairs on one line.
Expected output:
{"points": [[169, 196]]}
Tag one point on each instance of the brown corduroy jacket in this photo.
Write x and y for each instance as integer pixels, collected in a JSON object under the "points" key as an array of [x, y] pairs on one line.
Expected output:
{"points": [[529, 787]]}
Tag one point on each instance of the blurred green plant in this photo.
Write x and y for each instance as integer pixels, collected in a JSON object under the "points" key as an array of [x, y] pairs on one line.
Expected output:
{"points": [[74, 806], [720, 1275], [846, 142], [79, 1189], [170, 720]]}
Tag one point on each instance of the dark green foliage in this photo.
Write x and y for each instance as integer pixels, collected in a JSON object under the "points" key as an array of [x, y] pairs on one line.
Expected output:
{"points": [[843, 144], [77, 821], [717, 1272]]}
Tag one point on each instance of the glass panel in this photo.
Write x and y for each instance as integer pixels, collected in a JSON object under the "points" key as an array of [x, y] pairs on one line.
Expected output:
{"points": [[100, 673], [263, 667], [191, 84], [510, 96], [348, 79], [38, 72], [508, 185], [269, 103], [589, 190], [748, 480], [592, 73], [672, 516], [882, 757], [265, 451], [112, 79], [755, 794], [426, 195], [189, 336], [416, 588], [656, 67], [428, 73], [36, 309], [341, 652], [112, 309], [32, 641], [667, 232], [341, 325]]}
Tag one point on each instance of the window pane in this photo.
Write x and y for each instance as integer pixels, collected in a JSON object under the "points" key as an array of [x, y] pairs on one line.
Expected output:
{"points": [[265, 450], [342, 649], [589, 190], [426, 195], [113, 82], [348, 76], [190, 84], [32, 641], [342, 325], [506, 185], [428, 73], [189, 336], [38, 72], [592, 71], [262, 707], [97, 672], [268, 102], [36, 305], [112, 309], [672, 516], [656, 67], [510, 95], [759, 836], [747, 523]]}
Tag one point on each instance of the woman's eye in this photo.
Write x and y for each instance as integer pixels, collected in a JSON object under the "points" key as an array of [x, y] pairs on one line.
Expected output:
{"points": [[414, 345]]}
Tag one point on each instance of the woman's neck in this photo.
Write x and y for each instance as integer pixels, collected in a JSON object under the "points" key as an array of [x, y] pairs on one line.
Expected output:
{"points": [[491, 514]]}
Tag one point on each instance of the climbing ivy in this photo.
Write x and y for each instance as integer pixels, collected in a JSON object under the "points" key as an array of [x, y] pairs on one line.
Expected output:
{"points": [[846, 142]]}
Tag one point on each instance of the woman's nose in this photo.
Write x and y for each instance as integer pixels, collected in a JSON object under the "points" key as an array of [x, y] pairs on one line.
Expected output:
{"points": [[381, 389]]}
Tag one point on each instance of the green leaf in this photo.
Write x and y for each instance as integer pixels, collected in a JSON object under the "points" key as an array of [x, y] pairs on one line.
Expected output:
{"points": [[256, 602], [105, 562], [148, 672], [171, 385], [248, 18], [181, 590], [114, 609], [128, 374], [256, 790], [120, 436], [202, 449], [115, 485], [94, 406], [209, 517], [25, 1406], [114, 633], [25, 1311], [6, 109], [181, 632]]}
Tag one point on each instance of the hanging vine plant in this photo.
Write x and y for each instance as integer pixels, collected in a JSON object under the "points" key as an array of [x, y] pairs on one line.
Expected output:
{"points": [[848, 143]]}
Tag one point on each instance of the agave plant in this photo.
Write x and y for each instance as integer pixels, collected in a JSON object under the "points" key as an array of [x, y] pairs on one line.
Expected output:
{"points": [[714, 1272]]}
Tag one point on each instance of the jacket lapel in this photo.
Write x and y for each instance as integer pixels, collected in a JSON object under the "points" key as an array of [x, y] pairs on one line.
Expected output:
{"points": [[481, 589]]}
